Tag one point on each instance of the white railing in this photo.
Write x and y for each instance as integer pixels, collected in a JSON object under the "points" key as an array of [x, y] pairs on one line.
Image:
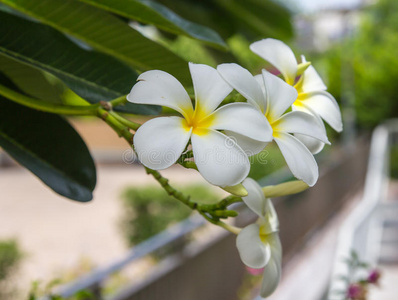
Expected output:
{"points": [[362, 230]]}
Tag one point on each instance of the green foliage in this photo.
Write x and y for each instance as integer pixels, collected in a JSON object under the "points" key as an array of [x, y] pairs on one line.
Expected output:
{"points": [[38, 291], [253, 18], [51, 50], [92, 75], [10, 258], [266, 162], [116, 38], [30, 80], [149, 210], [64, 159], [151, 12], [371, 58]]}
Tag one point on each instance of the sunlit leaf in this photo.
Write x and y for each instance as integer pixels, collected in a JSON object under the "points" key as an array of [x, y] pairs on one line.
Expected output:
{"points": [[151, 12], [92, 75], [104, 32]]}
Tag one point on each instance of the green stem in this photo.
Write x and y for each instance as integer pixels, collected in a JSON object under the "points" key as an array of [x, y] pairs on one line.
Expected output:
{"points": [[118, 101], [230, 228], [215, 211], [124, 121], [113, 122], [47, 106]]}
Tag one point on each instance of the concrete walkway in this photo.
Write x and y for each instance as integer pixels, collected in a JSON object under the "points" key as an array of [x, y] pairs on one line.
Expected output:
{"points": [[56, 233], [388, 265]]}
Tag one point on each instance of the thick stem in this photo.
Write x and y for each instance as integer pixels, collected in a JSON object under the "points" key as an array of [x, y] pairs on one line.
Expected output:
{"points": [[113, 122], [118, 101]]}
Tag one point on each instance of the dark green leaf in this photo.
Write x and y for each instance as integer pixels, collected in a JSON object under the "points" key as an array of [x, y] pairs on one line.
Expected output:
{"points": [[92, 75], [151, 12], [105, 33], [259, 17], [255, 19], [50, 148]]}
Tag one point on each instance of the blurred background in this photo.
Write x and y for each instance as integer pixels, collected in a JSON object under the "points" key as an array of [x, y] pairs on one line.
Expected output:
{"points": [[47, 241]]}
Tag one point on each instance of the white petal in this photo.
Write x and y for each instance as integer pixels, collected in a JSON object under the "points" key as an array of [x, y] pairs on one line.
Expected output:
{"points": [[326, 107], [302, 123], [298, 158], [270, 222], [280, 95], [219, 159], [210, 88], [260, 80], [250, 146], [159, 142], [272, 274], [312, 82], [279, 55], [253, 252], [161, 88], [255, 200], [314, 145], [243, 81], [243, 119]]}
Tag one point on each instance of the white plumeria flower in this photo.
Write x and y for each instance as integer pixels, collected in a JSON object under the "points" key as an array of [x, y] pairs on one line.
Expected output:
{"points": [[312, 96], [160, 142], [272, 96], [258, 244]]}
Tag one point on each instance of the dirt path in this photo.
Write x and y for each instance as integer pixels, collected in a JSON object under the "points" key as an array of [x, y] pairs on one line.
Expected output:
{"points": [[56, 233]]}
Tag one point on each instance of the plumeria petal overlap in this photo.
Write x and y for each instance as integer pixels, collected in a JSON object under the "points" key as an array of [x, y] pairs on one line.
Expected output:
{"points": [[272, 96], [312, 96], [219, 158]]}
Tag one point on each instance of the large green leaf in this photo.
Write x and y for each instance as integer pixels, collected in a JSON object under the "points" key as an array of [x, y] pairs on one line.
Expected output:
{"points": [[30, 80], [255, 19], [92, 75], [105, 33], [49, 147], [151, 12]]}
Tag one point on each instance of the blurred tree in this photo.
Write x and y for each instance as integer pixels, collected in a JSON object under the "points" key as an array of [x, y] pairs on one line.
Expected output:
{"points": [[374, 63]]}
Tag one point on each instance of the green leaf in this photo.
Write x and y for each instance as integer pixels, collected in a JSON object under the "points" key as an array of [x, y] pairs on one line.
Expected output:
{"points": [[92, 75], [151, 12], [105, 33], [50, 148], [31, 80], [254, 18], [263, 18]]}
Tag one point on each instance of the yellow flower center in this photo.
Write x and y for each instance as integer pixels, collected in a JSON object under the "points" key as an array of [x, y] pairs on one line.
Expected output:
{"points": [[264, 234], [301, 95], [199, 120], [274, 124]]}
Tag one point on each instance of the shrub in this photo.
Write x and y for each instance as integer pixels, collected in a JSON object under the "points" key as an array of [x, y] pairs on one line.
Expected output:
{"points": [[10, 257], [149, 210]]}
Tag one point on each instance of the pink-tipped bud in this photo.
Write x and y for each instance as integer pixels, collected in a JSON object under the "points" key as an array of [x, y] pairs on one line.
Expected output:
{"points": [[255, 272]]}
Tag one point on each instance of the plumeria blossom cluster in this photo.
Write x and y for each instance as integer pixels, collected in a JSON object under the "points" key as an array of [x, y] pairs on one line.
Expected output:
{"points": [[287, 109]]}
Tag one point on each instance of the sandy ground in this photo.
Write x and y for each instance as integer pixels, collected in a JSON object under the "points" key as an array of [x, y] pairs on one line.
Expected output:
{"points": [[56, 233]]}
